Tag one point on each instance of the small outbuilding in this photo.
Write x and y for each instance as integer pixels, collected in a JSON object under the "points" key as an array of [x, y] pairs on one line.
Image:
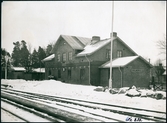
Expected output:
{"points": [[20, 73], [126, 71], [16, 73]]}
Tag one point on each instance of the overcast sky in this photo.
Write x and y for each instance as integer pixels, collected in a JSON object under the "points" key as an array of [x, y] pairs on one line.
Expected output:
{"points": [[138, 24]]}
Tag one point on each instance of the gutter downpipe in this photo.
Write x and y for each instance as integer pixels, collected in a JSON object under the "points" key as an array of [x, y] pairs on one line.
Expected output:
{"points": [[121, 75], [89, 68]]}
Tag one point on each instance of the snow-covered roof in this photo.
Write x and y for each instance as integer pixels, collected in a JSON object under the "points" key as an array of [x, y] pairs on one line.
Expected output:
{"points": [[49, 58], [85, 44], [18, 68], [91, 48], [119, 62], [39, 70]]}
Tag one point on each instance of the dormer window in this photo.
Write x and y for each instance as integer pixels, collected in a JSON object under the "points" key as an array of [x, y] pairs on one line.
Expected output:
{"points": [[119, 53]]}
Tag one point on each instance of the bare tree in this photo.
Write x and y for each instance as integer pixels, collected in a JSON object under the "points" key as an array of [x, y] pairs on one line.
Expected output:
{"points": [[161, 44]]}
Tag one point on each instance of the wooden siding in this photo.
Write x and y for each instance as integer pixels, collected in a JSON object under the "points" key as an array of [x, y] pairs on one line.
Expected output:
{"points": [[136, 73], [97, 76]]}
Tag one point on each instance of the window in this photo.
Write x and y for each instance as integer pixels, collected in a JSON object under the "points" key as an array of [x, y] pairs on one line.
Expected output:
{"points": [[58, 57], [70, 56], [64, 57], [59, 73], [69, 73], [119, 53], [108, 53]]}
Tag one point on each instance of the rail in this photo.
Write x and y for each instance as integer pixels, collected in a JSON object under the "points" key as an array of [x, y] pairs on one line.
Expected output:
{"points": [[69, 109]]}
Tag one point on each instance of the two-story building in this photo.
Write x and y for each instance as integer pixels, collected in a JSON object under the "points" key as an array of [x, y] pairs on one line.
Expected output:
{"points": [[86, 61]]}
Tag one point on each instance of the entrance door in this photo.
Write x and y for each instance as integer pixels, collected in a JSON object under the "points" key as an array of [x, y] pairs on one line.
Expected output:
{"points": [[82, 75]]}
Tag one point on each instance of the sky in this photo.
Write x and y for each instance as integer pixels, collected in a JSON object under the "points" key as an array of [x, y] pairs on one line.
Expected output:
{"points": [[140, 24]]}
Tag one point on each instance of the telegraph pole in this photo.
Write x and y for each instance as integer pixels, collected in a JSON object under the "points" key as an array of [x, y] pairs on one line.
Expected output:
{"points": [[111, 36], [6, 66]]}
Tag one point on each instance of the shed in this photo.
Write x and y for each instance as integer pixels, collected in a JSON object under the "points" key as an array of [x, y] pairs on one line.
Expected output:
{"points": [[16, 73], [126, 72]]}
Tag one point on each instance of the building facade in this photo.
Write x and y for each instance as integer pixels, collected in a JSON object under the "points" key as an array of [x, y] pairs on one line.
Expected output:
{"points": [[82, 61], [20, 73]]}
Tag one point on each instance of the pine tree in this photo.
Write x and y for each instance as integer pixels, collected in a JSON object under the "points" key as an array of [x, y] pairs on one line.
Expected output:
{"points": [[48, 49], [21, 56], [35, 59], [16, 54], [25, 56], [41, 56]]}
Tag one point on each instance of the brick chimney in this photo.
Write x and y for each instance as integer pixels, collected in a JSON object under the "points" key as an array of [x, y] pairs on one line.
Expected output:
{"points": [[114, 34], [95, 39]]}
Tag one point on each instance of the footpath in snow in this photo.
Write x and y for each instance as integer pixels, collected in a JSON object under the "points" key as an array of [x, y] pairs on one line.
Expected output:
{"points": [[87, 92]]}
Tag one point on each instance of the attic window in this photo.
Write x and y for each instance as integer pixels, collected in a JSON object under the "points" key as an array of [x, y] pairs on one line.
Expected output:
{"points": [[119, 53], [108, 53]]}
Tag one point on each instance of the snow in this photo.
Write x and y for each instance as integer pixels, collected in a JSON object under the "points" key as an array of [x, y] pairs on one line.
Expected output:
{"points": [[91, 48], [49, 57], [120, 62], [87, 92], [39, 70], [6, 117], [20, 112], [164, 73], [19, 68]]}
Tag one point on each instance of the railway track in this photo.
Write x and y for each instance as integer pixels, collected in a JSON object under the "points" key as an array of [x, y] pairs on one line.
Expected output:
{"points": [[67, 109]]}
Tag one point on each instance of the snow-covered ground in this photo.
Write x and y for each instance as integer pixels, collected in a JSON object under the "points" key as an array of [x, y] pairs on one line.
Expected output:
{"points": [[86, 92]]}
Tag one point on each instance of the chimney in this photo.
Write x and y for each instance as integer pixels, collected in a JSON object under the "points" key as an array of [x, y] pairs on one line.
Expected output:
{"points": [[114, 34], [95, 39]]}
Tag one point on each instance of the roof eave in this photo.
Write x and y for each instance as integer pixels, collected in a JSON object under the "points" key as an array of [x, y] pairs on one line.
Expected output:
{"points": [[114, 66]]}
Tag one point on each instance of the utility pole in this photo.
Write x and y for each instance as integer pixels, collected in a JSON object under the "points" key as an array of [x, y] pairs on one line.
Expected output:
{"points": [[111, 36], [6, 66]]}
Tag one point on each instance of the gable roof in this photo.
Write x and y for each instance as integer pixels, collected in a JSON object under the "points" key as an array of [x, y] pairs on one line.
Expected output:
{"points": [[49, 58], [122, 62], [91, 48], [75, 42], [127, 46]]}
